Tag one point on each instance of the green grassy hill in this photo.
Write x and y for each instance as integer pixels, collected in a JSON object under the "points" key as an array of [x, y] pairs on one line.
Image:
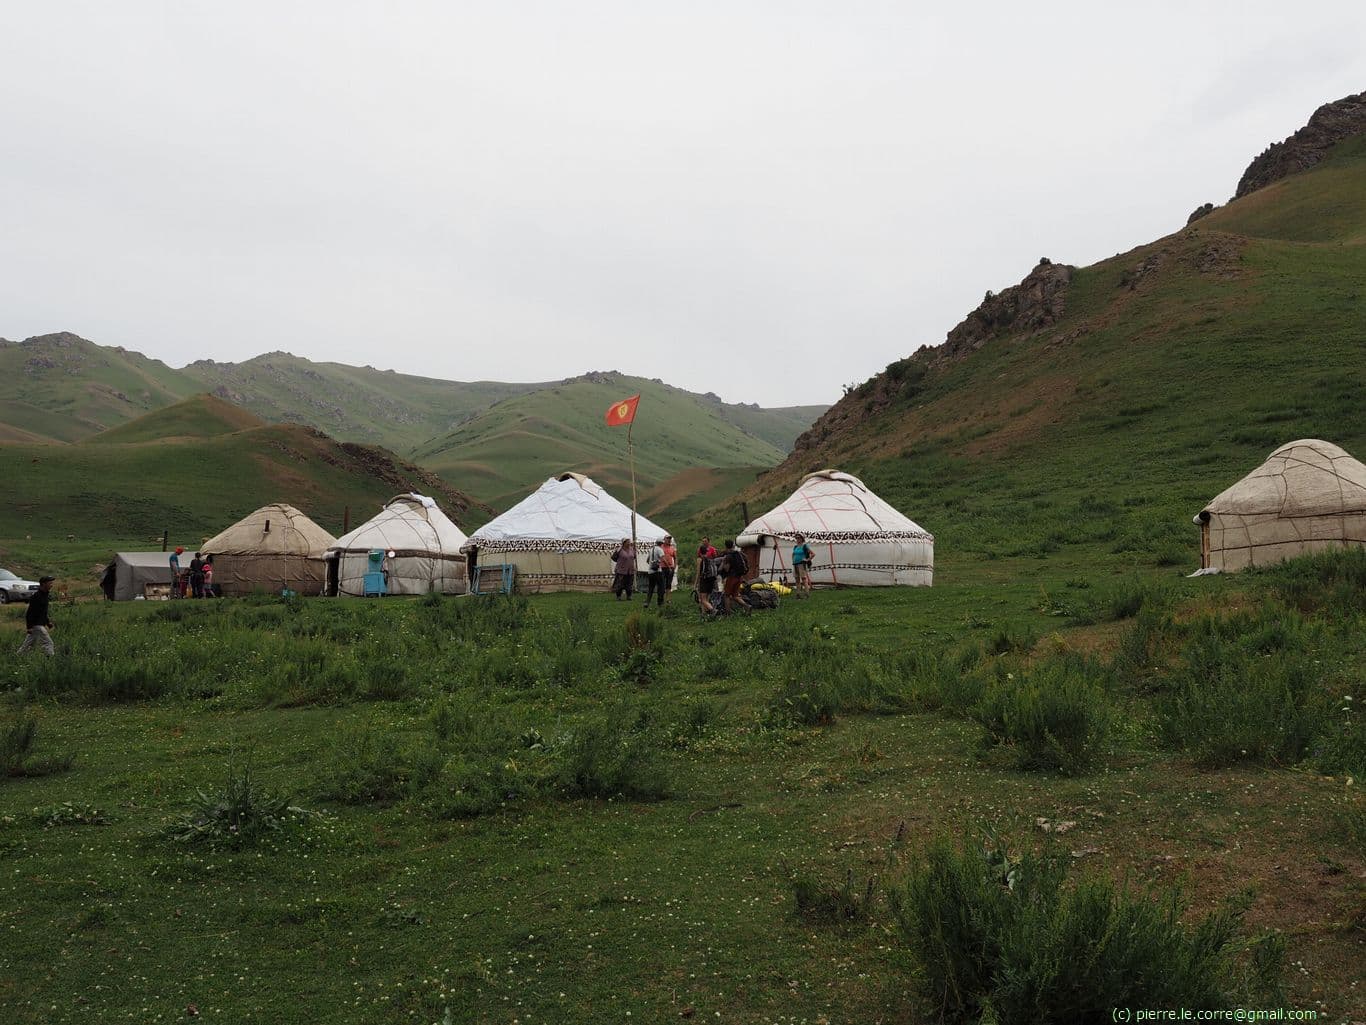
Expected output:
{"points": [[62, 387], [510, 448], [386, 408], [1174, 369], [125, 494], [65, 388], [200, 416]]}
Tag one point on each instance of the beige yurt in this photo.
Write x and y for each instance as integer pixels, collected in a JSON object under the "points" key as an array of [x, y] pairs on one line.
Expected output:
{"points": [[421, 549], [1308, 496], [561, 537], [857, 539], [275, 548]]}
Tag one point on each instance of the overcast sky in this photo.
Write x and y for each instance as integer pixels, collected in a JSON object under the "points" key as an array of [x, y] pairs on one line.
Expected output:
{"points": [[525, 191]]}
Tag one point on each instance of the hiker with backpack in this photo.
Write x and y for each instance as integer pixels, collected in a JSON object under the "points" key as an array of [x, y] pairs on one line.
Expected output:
{"points": [[655, 577], [706, 575], [734, 567]]}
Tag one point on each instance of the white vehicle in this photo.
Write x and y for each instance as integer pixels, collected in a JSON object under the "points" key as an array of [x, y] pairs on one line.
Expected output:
{"points": [[14, 589]]}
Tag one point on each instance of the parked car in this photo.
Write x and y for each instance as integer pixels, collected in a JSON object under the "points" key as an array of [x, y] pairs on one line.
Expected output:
{"points": [[12, 588]]}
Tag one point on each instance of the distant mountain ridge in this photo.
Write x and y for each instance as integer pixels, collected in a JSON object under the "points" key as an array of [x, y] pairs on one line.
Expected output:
{"points": [[65, 388], [195, 467]]}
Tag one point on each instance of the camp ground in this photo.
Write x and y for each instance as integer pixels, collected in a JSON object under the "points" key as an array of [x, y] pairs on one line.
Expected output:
{"points": [[858, 539]]}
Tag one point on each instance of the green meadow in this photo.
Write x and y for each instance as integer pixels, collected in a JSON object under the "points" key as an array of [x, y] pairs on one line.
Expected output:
{"points": [[574, 809]]}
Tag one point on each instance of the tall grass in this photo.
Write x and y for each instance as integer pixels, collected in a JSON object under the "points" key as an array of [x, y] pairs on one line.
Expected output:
{"points": [[1015, 940], [1053, 717]]}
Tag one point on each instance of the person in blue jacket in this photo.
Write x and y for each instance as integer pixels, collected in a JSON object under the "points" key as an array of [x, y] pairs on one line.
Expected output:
{"points": [[801, 565]]}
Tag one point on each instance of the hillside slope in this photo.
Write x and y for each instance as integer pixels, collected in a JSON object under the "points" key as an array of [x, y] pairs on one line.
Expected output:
{"points": [[130, 493], [65, 388], [199, 416], [396, 410], [1100, 407], [509, 449]]}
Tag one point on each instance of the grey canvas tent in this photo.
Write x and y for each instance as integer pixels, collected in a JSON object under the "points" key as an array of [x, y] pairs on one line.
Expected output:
{"points": [[133, 571]]}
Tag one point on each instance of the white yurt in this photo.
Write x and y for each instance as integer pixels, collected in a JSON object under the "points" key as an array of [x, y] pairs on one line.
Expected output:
{"points": [[274, 548], [1308, 496], [421, 549], [561, 537], [857, 539]]}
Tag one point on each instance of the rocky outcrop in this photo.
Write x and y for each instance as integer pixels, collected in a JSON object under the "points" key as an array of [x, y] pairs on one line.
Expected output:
{"points": [[1329, 125], [1200, 211], [1035, 303]]}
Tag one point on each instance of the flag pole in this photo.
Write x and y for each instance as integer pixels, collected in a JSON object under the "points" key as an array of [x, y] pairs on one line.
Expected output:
{"points": [[631, 458]]}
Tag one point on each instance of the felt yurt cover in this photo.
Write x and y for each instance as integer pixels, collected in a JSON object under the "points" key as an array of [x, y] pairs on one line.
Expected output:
{"points": [[1309, 495], [274, 548], [421, 546], [561, 536], [857, 538]]}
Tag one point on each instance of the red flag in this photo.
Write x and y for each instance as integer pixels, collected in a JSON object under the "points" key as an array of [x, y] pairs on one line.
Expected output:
{"points": [[623, 412]]}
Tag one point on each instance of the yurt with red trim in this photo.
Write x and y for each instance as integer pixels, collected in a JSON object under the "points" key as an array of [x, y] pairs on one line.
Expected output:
{"points": [[858, 539]]}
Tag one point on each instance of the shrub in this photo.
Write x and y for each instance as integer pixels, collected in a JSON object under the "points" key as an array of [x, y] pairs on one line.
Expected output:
{"points": [[478, 789], [18, 757], [698, 716], [641, 648], [370, 768], [1010, 940], [1010, 639], [69, 813], [1055, 716], [241, 812], [1333, 581], [1225, 706], [939, 680], [843, 905], [608, 756]]}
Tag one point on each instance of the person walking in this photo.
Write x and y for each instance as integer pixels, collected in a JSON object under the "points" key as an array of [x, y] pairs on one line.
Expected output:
{"points": [[801, 565], [655, 563], [734, 566], [38, 619], [706, 575], [669, 564], [197, 576], [624, 570]]}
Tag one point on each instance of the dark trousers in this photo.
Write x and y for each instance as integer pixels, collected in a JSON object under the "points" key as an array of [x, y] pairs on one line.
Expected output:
{"points": [[656, 584], [624, 583], [197, 585]]}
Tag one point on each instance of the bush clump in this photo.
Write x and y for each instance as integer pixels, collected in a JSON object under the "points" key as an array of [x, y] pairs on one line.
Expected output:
{"points": [[242, 811], [370, 768], [611, 756], [1055, 716], [1224, 705], [18, 750], [1011, 940]]}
